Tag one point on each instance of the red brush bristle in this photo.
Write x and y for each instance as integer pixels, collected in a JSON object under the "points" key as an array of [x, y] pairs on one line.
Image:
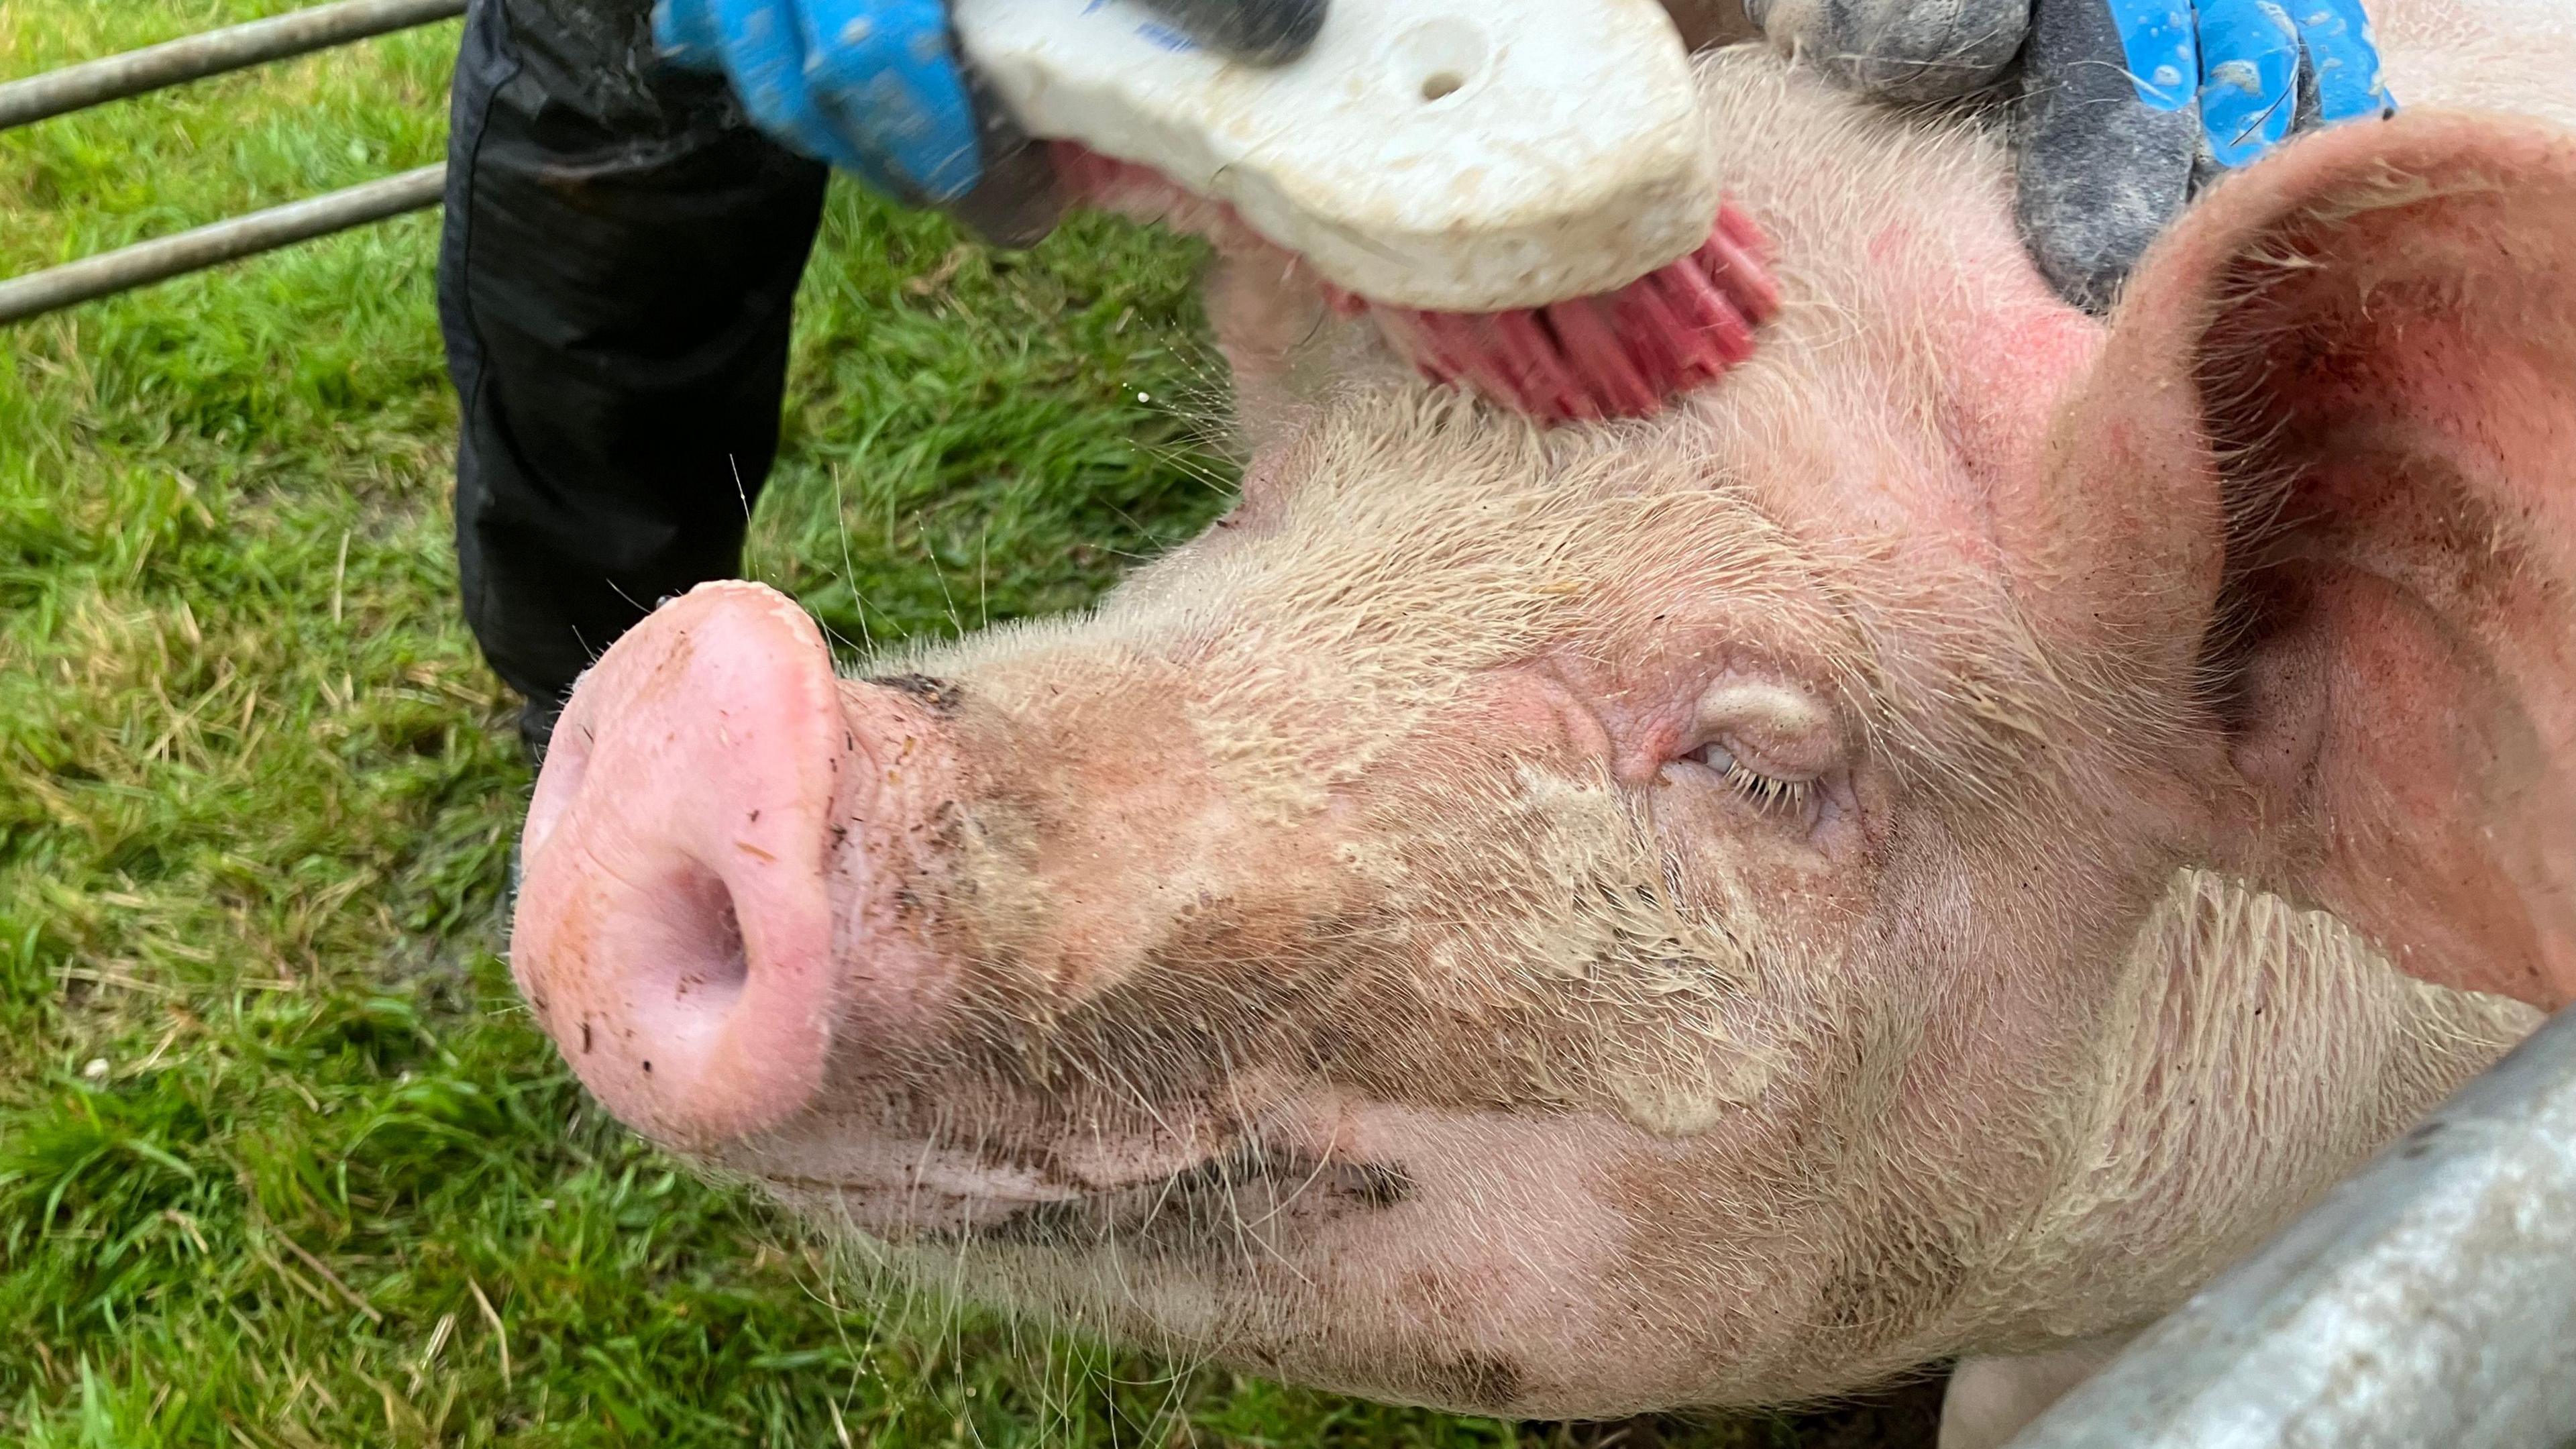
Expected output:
{"points": [[1619, 355]]}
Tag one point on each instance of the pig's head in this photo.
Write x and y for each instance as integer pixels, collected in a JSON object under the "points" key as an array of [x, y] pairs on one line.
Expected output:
{"points": [[1710, 909]]}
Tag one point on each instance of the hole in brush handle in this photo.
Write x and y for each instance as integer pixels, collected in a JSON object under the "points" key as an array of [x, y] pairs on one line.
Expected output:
{"points": [[1441, 57]]}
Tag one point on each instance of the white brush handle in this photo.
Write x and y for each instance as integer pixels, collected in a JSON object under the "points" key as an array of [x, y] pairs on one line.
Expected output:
{"points": [[1455, 155]]}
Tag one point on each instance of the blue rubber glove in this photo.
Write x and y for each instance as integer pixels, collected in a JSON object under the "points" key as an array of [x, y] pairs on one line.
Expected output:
{"points": [[2256, 67], [875, 88], [2126, 106], [2130, 106]]}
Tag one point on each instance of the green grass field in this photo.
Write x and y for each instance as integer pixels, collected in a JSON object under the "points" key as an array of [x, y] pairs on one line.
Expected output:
{"points": [[282, 1161]]}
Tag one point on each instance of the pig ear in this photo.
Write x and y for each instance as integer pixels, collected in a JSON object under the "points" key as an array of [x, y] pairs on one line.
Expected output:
{"points": [[2327, 464]]}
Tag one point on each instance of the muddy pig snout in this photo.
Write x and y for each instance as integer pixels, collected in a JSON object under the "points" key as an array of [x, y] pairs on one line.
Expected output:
{"points": [[689, 858]]}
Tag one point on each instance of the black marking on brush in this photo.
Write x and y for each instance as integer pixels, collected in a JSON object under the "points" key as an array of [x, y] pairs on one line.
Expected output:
{"points": [[940, 696]]}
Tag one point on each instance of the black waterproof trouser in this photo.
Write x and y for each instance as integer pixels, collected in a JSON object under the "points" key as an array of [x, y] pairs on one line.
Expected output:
{"points": [[620, 253]]}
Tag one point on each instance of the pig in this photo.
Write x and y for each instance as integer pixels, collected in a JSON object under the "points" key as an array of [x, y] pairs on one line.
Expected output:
{"points": [[1921, 852]]}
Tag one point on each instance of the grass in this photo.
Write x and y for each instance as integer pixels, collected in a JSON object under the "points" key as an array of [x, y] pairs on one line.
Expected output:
{"points": [[282, 1162]]}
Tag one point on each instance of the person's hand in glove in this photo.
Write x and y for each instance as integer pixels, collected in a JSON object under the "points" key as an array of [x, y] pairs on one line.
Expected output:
{"points": [[2126, 105], [877, 88]]}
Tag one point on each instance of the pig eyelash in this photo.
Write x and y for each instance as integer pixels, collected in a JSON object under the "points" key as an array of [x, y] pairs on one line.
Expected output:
{"points": [[1766, 792]]}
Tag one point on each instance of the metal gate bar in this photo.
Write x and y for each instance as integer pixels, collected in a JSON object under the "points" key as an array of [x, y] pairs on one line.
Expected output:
{"points": [[116, 77], [2427, 1303], [77, 87], [240, 236]]}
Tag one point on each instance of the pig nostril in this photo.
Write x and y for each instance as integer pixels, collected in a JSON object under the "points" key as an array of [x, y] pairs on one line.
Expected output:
{"points": [[709, 964], [1440, 84]]}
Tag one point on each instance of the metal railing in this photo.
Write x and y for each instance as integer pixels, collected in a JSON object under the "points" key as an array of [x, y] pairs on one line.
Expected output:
{"points": [[78, 87], [2429, 1302]]}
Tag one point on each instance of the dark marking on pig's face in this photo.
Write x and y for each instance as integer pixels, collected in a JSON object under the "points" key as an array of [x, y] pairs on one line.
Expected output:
{"points": [[940, 696], [1204, 1210]]}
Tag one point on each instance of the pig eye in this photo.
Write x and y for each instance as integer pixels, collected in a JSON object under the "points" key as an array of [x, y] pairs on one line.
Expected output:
{"points": [[1768, 792], [1773, 746]]}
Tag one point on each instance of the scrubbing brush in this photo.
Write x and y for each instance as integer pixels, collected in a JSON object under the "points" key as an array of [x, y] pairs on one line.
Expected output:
{"points": [[1620, 354], [1518, 191]]}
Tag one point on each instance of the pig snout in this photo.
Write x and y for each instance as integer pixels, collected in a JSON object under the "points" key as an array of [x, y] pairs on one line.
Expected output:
{"points": [[688, 840]]}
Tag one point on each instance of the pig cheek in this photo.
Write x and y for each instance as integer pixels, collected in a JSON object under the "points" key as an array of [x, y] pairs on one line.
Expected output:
{"points": [[1498, 1286], [1753, 866], [1538, 1271], [1531, 1278], [1744, 1255]]}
